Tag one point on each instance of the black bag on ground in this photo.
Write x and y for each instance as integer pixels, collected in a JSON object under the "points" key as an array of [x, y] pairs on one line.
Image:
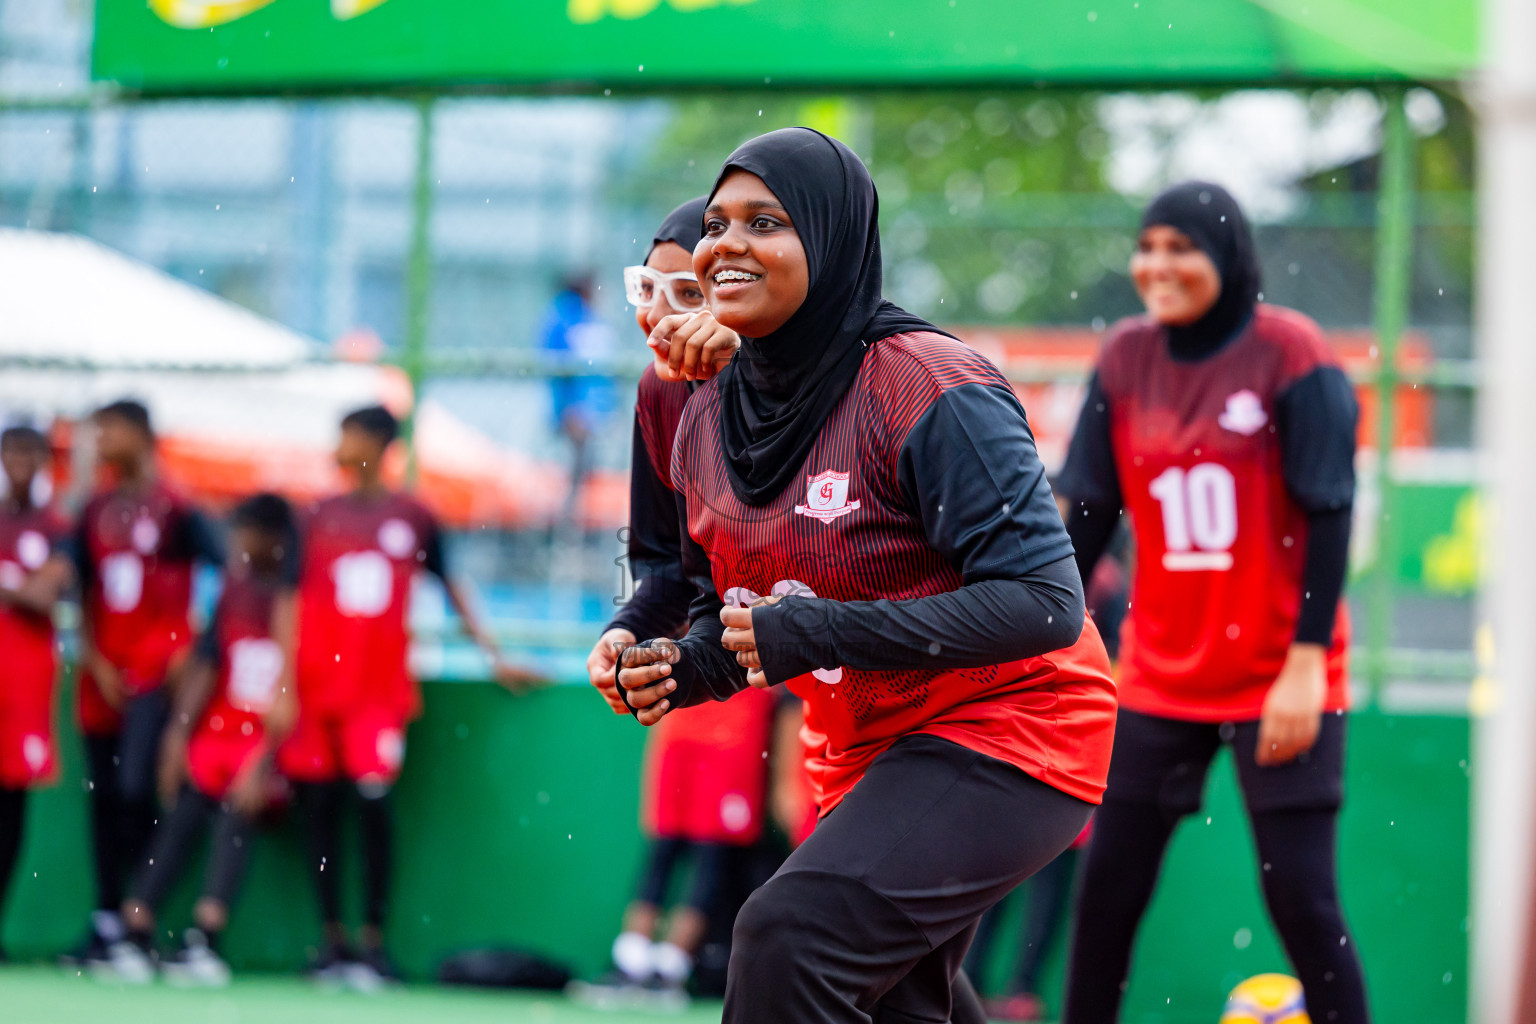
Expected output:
{"points": [[503, 968]]}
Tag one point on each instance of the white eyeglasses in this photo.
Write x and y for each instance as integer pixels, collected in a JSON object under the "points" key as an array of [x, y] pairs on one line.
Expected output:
{"points": [[642, 286]]}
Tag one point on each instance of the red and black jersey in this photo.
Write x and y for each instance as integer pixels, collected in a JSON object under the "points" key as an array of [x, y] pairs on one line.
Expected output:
{"points": [[359, 554], [247, 658], [919, 508], [135, 552], [1219, 461], [659, 605], [28, 539]]}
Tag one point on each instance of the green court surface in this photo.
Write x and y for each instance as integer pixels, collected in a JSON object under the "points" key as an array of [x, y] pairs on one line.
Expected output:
{"points": [[48, 995]]}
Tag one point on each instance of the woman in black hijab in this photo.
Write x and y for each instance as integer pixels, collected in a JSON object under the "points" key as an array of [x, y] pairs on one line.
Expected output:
{"points": [[868, 522], [1226, 429]]}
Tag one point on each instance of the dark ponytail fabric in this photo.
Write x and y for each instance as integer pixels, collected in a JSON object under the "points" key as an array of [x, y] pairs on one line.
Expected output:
{"points": [[1212, 219], [684, 226]]}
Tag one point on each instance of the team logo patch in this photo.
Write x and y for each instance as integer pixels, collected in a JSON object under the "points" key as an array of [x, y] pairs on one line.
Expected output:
{"points": [[145, 535], [1244, 413], [826, 497], [32, 549], [396, 538]]}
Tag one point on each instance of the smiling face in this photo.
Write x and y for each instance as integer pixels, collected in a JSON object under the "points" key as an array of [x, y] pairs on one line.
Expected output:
{"points": [[666, 258], [750, 261], [1177, 282]]}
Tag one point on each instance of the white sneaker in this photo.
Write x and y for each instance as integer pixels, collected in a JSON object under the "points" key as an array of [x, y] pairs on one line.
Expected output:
{"points": [[126, 964], [195, 965]]}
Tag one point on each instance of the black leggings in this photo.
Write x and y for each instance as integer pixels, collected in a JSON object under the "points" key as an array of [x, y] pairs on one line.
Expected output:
{"points": [[13, 812], [710, 866], [174, 839], [322, 804], [871, 916], [122, 769], [1155, 780]]}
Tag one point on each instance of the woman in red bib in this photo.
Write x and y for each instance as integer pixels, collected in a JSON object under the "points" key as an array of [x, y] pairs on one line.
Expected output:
{"points": [[868, 521], [1227, 430]]}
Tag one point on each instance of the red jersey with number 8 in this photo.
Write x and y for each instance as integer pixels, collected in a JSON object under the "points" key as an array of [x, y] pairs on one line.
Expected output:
{"points": [[1220, 543]]}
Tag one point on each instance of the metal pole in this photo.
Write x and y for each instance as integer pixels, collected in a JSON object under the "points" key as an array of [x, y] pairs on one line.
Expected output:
{"points": [[418, 283], [1504, 726], [1394, 252]]}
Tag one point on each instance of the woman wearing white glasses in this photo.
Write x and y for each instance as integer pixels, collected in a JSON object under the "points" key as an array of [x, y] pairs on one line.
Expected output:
{"points": [[705, 779]]}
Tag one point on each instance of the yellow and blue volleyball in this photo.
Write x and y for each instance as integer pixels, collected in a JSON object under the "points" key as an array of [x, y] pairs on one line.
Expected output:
{"points": [[1267, 999]]}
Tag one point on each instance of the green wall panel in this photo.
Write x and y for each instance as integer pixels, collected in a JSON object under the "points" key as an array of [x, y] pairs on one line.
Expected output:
{"points": [[516, 819]]}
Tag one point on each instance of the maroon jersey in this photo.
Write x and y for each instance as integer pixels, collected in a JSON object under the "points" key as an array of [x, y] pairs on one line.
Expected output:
{"points": [[247, 658], [850, 532], [135, 553], [27, 540], [1220, 537], [658, 410], [359, 555]]}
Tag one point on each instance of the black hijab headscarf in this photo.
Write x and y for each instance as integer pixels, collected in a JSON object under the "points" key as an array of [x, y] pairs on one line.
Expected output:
{"points": [[778, 392], [1212, 219], [684, 225]]}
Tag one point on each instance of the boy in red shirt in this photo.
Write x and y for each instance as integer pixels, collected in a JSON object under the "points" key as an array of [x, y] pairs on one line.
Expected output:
{"points": [[33, 573], [360, 551], [234, 701], [135, 547]]}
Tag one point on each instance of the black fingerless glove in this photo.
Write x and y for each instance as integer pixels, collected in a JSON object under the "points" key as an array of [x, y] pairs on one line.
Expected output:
{"points": [[681, 673]]}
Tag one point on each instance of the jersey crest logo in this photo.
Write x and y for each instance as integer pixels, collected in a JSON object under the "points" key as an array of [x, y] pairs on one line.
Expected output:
{"points": [[1244, 413], [826, 497]]}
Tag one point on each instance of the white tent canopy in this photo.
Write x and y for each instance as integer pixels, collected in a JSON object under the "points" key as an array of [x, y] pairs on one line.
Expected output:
{"points": [[66, 300], [82, 324]]}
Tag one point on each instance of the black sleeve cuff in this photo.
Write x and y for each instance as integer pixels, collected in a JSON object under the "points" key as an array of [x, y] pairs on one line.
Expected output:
{"points": [[986, 623], [682, 674], [787, 637]]}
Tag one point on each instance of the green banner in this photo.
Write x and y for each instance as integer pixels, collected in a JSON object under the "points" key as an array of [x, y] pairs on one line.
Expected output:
{"points": [[267, 46]]}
